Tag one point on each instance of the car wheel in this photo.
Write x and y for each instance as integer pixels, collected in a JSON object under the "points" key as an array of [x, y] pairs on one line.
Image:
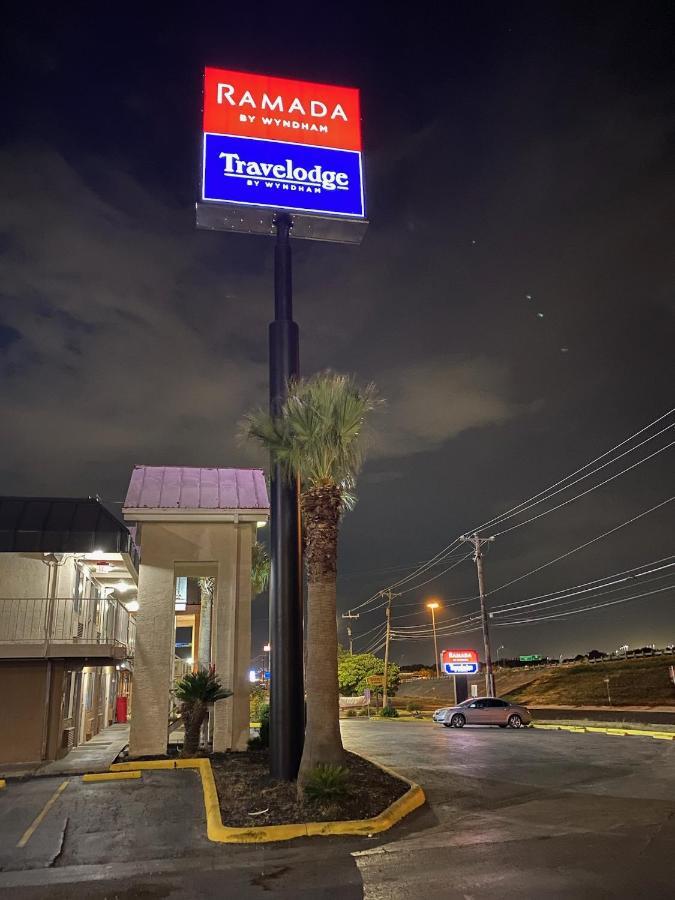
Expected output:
{"points": [[515, 721], [458, 721]]}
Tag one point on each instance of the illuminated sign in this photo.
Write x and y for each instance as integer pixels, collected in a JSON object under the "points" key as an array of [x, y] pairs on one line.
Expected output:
{"points": [[289, 176], [280, 109], [459, 662], [275, 144]]}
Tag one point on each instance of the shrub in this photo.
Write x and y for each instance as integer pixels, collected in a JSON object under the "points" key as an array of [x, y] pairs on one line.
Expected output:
{"points": [[258, 698], [362, 712], [351, 713], [389, 712], [413, 706], [262, 741], [196, 691], [327, 783]]}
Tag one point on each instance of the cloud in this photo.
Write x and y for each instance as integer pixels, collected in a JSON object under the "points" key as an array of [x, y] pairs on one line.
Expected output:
{"points": [[127, 346], [430, 403]]}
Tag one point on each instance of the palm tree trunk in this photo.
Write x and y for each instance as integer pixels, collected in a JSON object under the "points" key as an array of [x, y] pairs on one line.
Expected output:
{"points": [[193, 718], [323, 743]]}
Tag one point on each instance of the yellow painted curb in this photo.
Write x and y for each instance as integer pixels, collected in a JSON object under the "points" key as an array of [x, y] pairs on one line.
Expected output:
{"points": [[3, 784], [111, 776], [620, 732], [260, 834]]}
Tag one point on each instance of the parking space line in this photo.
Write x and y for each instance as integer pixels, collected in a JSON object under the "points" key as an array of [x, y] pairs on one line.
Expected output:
{"points": [[32, 828]]}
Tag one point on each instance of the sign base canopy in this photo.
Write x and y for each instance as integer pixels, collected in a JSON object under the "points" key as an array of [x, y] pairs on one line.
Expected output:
{"points": [[251, 220]]}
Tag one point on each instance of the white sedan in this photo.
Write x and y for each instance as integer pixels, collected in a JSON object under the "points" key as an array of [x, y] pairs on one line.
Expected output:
{"points": [[439, 715]]}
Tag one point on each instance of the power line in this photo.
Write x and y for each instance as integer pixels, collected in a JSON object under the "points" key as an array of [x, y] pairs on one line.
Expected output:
{"points": [[534, 500], [509, 608], [595, 581], [574, 612], [438, 575], [501, 517], [584, 545], [423, 632], [584, 493]]}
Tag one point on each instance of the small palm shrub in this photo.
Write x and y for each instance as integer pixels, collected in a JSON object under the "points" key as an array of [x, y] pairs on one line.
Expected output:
{"points": [[389, 712], [195, 691], [351, 714], [327, 783]]}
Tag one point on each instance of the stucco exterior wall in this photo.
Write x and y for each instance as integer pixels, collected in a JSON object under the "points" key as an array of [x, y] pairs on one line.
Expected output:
{"points": [[23, 593], [23, 575], [170, 548], [23, 700]]}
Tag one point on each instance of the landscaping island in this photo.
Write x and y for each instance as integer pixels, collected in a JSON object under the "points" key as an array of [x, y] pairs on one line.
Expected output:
{"points": [[249, 796]]}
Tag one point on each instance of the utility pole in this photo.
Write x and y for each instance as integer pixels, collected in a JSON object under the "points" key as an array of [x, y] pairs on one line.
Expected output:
{"points": [[478, 542], [389, 596], [349, 629]]}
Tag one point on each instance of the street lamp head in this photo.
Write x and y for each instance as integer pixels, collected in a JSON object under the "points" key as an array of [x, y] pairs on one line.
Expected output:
{"points": [[433, 605]]}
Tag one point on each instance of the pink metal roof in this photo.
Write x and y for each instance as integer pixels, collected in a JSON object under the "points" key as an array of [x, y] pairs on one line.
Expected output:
{"points": [[175, 487]]}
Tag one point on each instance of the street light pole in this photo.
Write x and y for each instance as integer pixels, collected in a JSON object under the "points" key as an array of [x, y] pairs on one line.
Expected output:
{"points": [[433, 607], [287, 715]]}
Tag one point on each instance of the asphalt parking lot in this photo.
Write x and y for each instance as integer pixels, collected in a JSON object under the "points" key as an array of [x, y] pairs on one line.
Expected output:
{"points": [[510, 814], [525, 813]]}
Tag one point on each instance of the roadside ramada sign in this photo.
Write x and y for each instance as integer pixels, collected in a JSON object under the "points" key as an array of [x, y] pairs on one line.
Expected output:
{"points": [[280, 144], [459, 662]]}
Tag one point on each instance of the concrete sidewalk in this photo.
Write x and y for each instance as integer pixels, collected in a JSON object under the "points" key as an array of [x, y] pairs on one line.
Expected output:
{"points": [[96, 755]]}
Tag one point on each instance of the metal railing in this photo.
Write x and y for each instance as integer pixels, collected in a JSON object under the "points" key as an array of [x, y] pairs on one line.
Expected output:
{"points": [[66, 620]]}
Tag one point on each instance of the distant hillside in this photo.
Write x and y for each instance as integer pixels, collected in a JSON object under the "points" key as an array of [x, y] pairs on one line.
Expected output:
{"points": [[633, 682]]}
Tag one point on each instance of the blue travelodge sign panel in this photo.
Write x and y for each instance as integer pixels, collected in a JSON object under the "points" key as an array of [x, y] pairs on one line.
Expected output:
{"points": [[282, 175]]}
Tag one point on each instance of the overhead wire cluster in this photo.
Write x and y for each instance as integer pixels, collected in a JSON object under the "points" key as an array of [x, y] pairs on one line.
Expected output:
{"points": [[508, 521]]}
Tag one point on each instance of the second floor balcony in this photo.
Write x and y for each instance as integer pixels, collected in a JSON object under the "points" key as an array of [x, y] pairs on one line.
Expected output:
{"points": [[58, 627]]}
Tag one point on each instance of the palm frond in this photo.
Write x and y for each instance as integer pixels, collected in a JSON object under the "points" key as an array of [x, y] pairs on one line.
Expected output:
{"points": [[319, 435], [260, 569]]}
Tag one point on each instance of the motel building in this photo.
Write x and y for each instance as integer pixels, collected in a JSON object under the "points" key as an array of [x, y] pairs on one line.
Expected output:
{"points": [[99, 617]]}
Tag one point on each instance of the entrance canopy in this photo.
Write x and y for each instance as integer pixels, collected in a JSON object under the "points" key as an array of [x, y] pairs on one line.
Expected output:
{"points": [[179, 493]]}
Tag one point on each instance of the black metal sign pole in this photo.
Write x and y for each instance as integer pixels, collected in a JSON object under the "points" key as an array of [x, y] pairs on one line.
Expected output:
{"points": [[286, 680]]}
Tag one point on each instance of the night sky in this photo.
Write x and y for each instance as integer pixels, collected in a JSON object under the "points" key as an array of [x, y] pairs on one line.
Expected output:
{"points": [[519, 162]]}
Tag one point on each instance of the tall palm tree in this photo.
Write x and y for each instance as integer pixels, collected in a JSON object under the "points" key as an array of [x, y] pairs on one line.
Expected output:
{"points": [[318, 438]]}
